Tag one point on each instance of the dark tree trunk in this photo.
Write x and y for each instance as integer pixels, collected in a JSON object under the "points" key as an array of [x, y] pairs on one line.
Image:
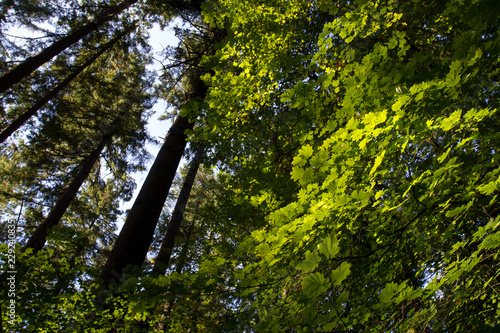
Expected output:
{"points": [[163, 258], [133, 242], [19, 121], [32, 63], [181, 261], [37, 239], [163, 325]]}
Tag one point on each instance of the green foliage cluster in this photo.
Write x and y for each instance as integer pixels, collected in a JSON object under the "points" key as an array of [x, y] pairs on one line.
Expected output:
{"points": [[392, 225]]}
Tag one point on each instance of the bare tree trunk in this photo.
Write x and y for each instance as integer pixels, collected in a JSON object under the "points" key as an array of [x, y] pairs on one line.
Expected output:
{"points": [[133, 242], [38, 238], [163, 258], [32, 63], [163, 325], [19, 121]]}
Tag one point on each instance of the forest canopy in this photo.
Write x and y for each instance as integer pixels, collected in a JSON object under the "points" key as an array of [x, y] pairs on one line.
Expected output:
{"points": [[342, 174]]}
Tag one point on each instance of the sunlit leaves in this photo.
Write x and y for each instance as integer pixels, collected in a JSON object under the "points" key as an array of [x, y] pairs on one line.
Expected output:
{"points": [[448, 122], [490, 187], [378, 161], [367, 136], [385, 170], [309, 263], [329, 247]]}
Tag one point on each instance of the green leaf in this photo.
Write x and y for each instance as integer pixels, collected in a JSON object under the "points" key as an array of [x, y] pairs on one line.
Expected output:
{"points": [[402, 100], [378, 161], [306, 151], [352, 124], [341, 273], [453, 77], [307, 176], [309, 315], [489, 188], [315, 284], [361, 196], [329, 247], [391, 289], [491, 241], [309, 263], [375, 118], [449, 122]]}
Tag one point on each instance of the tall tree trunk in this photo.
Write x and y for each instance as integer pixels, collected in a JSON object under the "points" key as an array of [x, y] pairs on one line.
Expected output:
{"points": [[181, 260], [19, 121], [133, 242], [163, 258], [32, 63], [37, 239], [163, 324]]}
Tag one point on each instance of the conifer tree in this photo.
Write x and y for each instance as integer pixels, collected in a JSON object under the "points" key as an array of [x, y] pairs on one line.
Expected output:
{"points": [[137, 233], [31, 111], [164, 253], [32, 63], [98, 123], [37, 239]]}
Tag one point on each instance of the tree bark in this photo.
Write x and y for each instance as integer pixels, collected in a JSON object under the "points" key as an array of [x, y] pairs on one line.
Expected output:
{"points": [[133, 241], [163, 325], [135, 237], [32, 63], [19, 121], [132, 244], [163, 258], [38, 238]]}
